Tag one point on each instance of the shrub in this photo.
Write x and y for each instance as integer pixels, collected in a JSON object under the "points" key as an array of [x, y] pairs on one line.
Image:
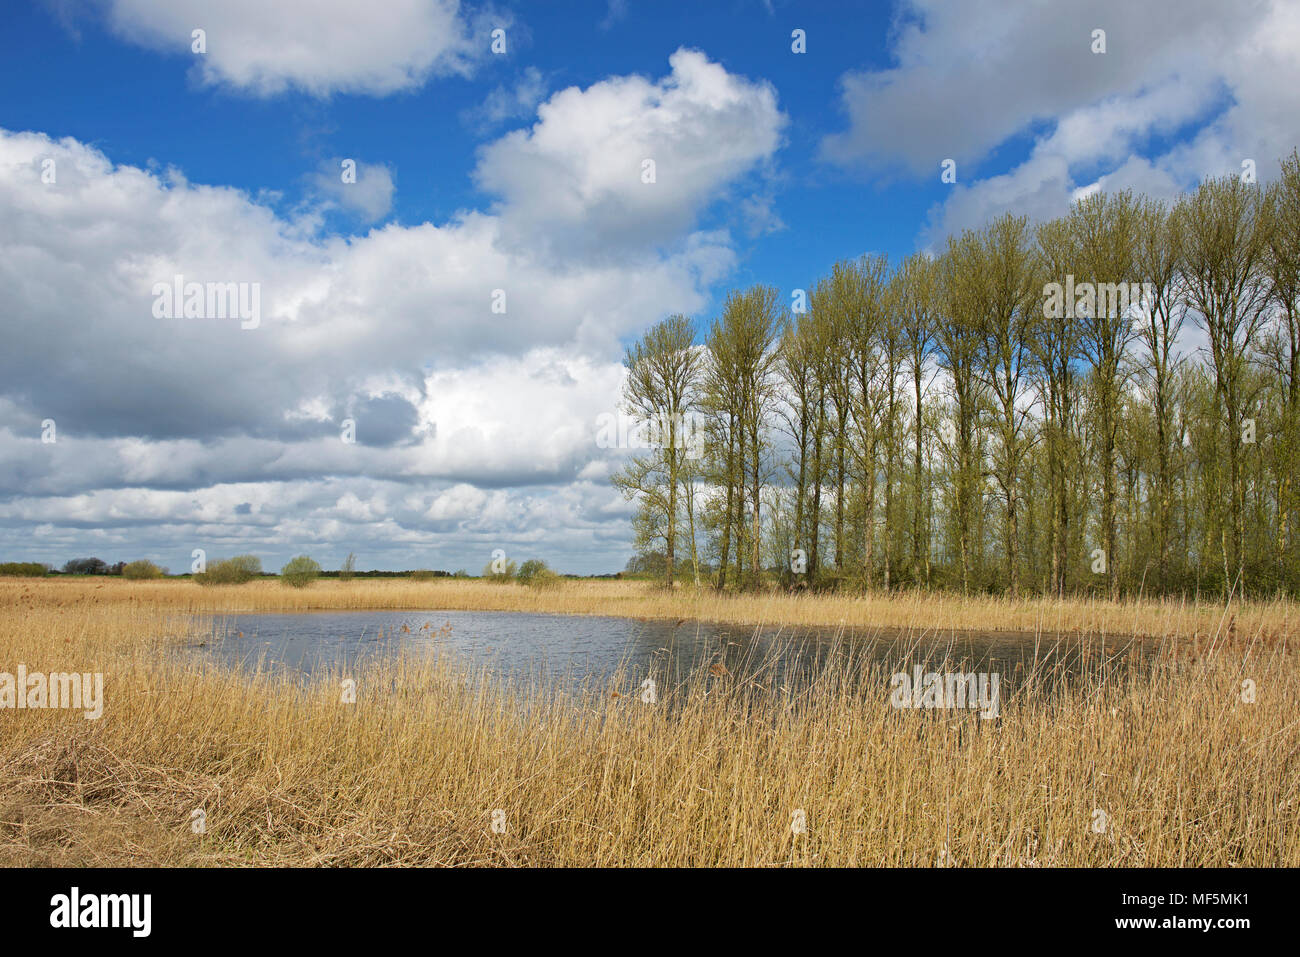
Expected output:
{"points": [[22, 568], [248, 566], [86, 566], [230, 571], [422, 575], [141, 569], [506, 574], [348, 568], [537, 574], [300, 572]]}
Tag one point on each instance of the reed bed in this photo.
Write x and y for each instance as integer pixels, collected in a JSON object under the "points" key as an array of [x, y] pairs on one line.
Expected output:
{"points": [[1275, 619], [714, 772]]}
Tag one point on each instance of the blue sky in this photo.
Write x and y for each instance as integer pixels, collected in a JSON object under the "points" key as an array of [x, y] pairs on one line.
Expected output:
{"points": [[519, 172], [140, 107]]}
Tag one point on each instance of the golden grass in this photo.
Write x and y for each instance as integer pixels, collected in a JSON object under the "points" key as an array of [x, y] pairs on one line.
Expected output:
{"points": [[1186, 772], [639, 599]]}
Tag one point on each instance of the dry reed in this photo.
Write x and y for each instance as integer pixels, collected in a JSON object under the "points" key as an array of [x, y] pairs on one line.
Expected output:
{"points": [[713, 773], [639, 599]]}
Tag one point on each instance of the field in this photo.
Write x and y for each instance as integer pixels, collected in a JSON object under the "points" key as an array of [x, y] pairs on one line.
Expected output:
{"points": [[190, 765], [640, 599]]}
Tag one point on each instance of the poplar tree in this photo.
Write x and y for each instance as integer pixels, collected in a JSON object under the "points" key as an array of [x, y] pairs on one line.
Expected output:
{"points": [[660, 394], [1007, 301], [1224, 243]]}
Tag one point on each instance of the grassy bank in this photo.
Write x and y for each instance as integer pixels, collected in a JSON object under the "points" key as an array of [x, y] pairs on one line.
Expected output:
{"points": [[638, 599], [1185, 772]]}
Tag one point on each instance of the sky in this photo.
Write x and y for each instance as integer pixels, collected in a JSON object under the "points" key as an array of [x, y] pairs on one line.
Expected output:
{"points": [[445, 232]]}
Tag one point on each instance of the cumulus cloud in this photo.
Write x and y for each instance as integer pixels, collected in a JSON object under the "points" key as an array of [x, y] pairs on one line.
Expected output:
{"points": [[83, 255], [577, 180], [507, 455], [206, 432], [971, 78], [316, 46], [576, 526], [971, 75]]}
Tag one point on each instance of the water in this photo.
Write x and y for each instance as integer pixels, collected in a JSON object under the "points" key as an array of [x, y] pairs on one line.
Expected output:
{"points": [[577, 649]]}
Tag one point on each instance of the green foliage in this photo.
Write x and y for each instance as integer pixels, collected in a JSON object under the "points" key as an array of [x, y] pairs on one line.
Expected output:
{"points": [[646, 565], [506, 574], [1023, 413], [349, 567], [660, 397], [85, 566], [25, 569], [299, 572], [141, 569], [537, 574], [230, 571]]}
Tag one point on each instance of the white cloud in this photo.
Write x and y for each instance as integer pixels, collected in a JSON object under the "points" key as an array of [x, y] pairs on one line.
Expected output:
{"points": [[317, 46], [81, 256], [574, 181], [368, 192], [194, 432], [972, 77]]}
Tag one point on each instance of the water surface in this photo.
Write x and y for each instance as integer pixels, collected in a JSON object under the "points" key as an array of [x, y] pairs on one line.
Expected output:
{"points": [[577, 649]]}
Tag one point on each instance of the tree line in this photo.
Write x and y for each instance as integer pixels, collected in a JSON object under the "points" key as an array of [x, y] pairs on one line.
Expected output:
{"points": [[1103, 403]]}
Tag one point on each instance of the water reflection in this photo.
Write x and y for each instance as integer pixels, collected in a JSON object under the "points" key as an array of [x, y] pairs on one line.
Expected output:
{"points": [[572, 651]]}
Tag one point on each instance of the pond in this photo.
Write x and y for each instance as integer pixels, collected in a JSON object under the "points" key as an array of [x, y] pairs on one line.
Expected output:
{"points": [[578, 649]]}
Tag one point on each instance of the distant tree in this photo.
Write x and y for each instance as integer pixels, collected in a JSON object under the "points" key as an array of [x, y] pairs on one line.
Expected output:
{"points": [[349, 567], [85, 566], [30, 569], [141, 569], [231, 571], [649, 563], [507, 572], [299, 572], [537, 574]]}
